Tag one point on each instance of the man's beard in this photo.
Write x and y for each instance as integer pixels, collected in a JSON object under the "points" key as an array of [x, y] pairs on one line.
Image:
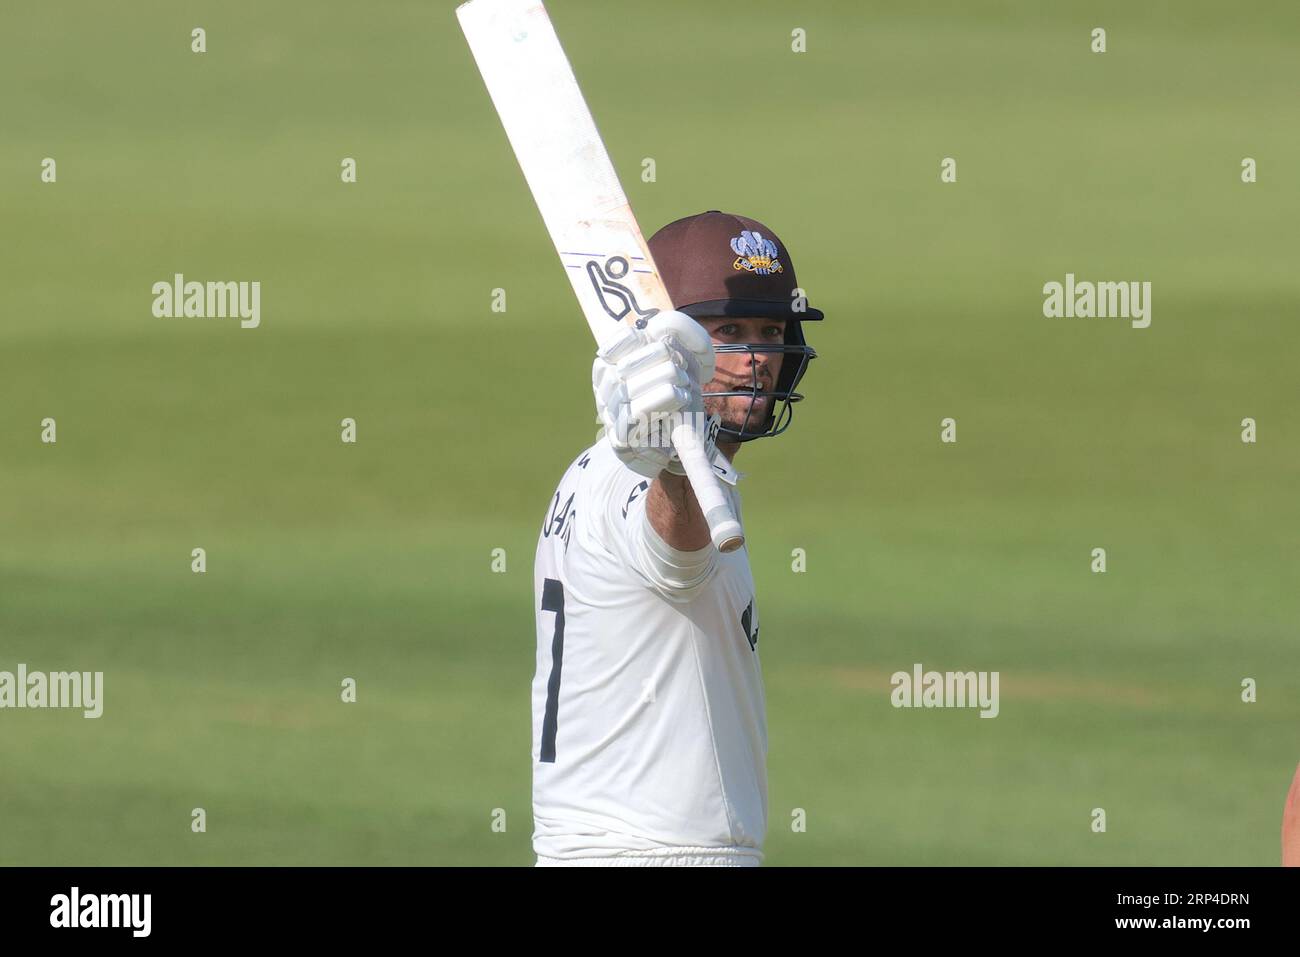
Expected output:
{"points": [[733, 412]]}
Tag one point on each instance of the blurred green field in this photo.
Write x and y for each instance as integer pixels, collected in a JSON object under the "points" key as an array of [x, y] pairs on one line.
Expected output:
{"points": [[372, 561]]}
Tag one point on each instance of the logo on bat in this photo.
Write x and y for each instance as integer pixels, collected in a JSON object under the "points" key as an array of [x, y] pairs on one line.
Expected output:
{"points": [[615, 298]]}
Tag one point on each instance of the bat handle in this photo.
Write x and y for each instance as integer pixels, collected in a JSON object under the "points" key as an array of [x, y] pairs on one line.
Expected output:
{"points": [[725, 531]]}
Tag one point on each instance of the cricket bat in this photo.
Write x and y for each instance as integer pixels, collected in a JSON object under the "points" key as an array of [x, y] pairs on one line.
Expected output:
{"points": [[581, 200]]}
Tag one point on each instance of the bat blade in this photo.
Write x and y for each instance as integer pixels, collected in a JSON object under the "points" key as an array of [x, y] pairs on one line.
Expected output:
{"points": [[565, 162], [586, 212]]}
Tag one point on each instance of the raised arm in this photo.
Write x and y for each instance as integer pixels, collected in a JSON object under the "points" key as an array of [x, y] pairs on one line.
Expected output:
{"points": [[674, 514]]}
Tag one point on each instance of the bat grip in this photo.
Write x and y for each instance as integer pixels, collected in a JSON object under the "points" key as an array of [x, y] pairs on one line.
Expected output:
{"points": [[725, 531]]}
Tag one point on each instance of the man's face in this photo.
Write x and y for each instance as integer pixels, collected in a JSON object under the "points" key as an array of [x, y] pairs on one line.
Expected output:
{"points": [[736, 371]]}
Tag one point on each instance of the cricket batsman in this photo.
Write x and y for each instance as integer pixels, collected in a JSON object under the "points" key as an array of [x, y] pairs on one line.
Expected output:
{"points": [[649, 724]]}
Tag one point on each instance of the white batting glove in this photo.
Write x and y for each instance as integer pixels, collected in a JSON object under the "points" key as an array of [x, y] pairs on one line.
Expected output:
{"points": [[646, 375]]}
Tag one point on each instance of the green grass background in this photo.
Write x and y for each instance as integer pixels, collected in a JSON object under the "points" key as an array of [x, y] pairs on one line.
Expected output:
{"points": [[371, 561]]}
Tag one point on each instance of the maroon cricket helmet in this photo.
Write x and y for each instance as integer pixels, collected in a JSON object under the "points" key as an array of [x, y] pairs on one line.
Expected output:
{"points": [[724, 264]]}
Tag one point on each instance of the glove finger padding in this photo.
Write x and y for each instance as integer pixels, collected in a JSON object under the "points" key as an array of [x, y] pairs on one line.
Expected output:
{"points": [[630, 338], [610, 394], [657, 382], [647, 356], [690, 336]]}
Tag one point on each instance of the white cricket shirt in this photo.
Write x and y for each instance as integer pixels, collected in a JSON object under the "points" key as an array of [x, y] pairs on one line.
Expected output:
{"points": [[649, 721]]}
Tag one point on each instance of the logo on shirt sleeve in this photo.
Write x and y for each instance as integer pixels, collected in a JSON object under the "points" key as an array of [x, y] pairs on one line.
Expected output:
{"points": [[746, 619], [641, 487]]}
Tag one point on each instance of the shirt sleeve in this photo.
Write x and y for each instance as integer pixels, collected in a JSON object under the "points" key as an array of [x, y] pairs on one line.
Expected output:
{"points": [[626, 532]]}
